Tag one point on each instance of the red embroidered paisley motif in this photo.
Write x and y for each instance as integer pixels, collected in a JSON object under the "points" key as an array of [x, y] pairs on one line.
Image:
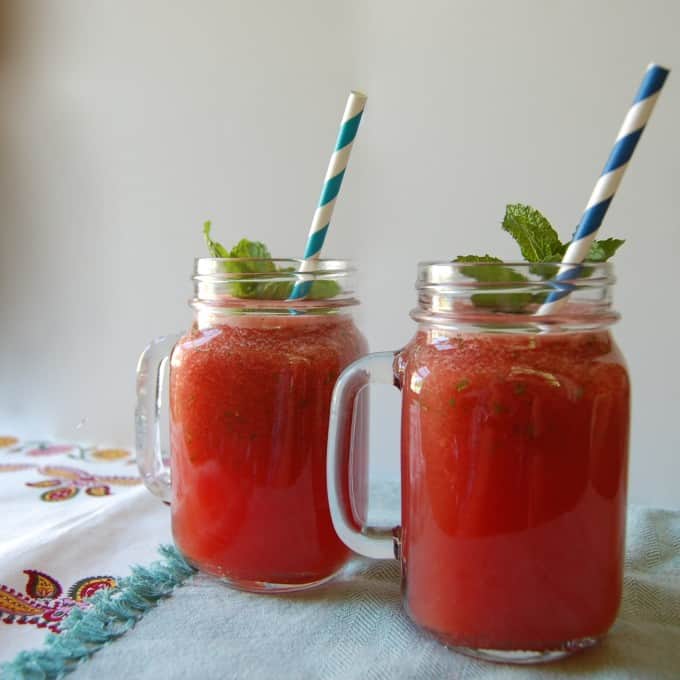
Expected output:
{"points": [[63, 493], [87, 587], [41, 585], [42, 604]]}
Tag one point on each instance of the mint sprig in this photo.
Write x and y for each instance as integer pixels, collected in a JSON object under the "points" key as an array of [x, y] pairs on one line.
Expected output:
{"points": [[477, 267], [260, 262], [601, 251], [214, 248], [540, 244], [534, 234]]}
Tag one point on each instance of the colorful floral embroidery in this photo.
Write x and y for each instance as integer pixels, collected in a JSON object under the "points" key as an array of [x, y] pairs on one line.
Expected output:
{"points": [[40, 448], [45, 483], [109, 454], [101, 490], [76, 451], [63, 493], [87, 587], [15, 467], [96, 455], [51, 450], [41, 585], [64, 482], [42, 605]]}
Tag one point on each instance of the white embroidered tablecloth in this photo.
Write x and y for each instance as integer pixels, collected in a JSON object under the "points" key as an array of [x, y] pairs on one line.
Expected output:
{"points": [[73, 518]]}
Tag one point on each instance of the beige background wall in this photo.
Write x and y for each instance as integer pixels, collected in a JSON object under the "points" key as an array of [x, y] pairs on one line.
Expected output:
{"points": [[124, 124]]}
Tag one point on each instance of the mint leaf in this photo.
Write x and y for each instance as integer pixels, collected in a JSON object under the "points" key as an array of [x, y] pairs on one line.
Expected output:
{"points": [[477, 258], [261, 263], [251, 249], [541, 246], [545, 269], [477, 267], [214, 248], [322, 289], [601, 251], [274, 290], [281, 290], [532, 231]]}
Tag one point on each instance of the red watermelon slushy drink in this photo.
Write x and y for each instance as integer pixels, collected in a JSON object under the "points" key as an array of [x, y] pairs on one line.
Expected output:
{"points": [[514, 478], [514, 455], [250, 391], [249, 418], [250, 384]]}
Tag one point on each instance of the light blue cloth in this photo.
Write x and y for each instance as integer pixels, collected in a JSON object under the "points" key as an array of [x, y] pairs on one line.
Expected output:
{"points": [[355, 629]]}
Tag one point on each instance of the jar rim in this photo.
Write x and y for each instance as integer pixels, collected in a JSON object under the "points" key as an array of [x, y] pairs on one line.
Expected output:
{"points": [[510, 263], [510, 295], [244, 285], [215, 266], [435, 272]]}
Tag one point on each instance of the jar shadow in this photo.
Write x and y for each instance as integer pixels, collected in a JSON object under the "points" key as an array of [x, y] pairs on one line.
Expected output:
{"points": [[364, 600], [365, 587], [374, 581]]}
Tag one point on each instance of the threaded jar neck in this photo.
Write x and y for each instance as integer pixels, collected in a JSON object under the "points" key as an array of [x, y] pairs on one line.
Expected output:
{"points": [[265, 286], [505, 297]]}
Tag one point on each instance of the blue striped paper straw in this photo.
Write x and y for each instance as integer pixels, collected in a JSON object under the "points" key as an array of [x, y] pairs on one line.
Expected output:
{"points": [[331, 187], [606, 186]]}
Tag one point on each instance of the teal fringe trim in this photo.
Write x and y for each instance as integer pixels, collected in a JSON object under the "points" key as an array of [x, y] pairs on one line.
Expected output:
{"points": [[112, 614]]}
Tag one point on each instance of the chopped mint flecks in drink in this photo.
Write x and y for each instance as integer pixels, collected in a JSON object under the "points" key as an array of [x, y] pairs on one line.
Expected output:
{"points": [[539, 244], [261, 263], [519, 388], [499, 408]]}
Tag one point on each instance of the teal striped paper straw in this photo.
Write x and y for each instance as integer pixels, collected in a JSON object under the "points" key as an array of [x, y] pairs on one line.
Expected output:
{"points": [[331, 187], [606, 186]]}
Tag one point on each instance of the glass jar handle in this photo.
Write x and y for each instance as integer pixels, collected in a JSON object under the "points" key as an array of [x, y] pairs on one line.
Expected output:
{"points": [[377, 543], [152, 442]]}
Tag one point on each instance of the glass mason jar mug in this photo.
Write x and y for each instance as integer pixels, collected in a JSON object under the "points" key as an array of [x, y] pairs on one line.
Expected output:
{"points": [[514, 446], [249, 394]]}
